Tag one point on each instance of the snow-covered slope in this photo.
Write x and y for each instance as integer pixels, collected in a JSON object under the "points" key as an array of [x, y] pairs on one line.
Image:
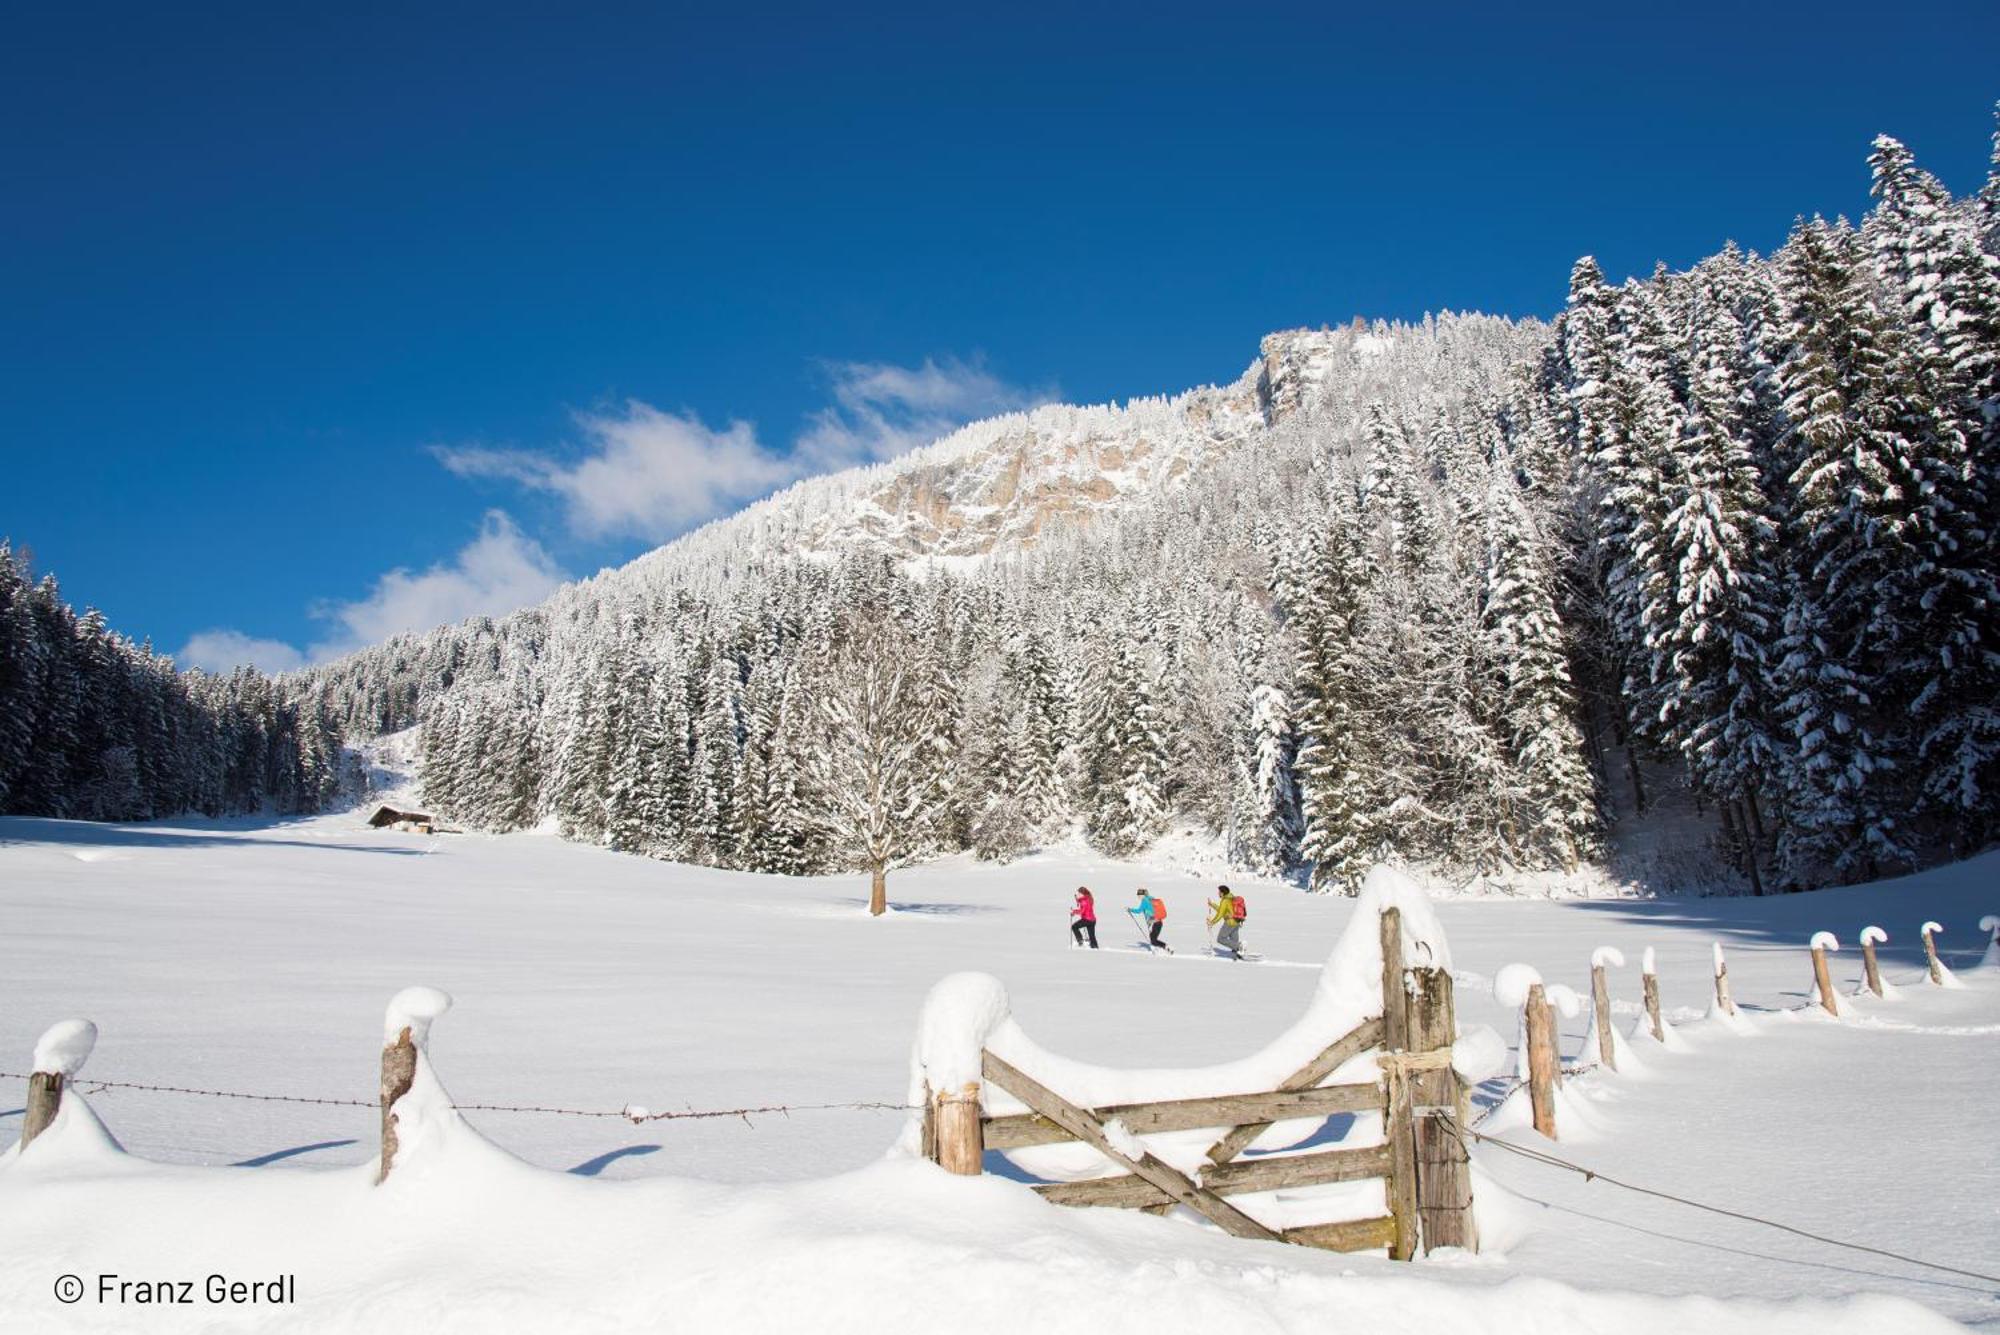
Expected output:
{"points": [[258, 959]]}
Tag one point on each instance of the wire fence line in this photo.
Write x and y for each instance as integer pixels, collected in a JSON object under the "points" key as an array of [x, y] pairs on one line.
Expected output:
{"points": [[638, 1115], [1548, 1160], [634, 1113]]}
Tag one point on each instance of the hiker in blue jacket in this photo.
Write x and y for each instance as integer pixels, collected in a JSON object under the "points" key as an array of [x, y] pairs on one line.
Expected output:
{"points": [[1151, 915]]}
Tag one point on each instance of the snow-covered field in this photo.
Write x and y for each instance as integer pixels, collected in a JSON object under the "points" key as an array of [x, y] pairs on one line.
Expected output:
{"points": [[258, 958]]}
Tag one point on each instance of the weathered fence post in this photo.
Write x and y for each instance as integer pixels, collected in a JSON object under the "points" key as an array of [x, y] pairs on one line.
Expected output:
{"points": [[1723, 1002], [59, 1055], [1821, 943], [44, 1097], [1540, 1066], [399, 1072], [1395, 991], [1600, 999], [1990, 924], [1444, 1171], [1869, 936], [405, 1029], [948, 1068], [1544, 1062], [1651, 982], [1930, 930], [959, 1136], [1398, 1130]]}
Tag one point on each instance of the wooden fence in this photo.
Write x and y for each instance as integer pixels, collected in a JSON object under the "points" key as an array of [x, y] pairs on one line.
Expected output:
{"points": [[1421, 1161], [1544, 1074]]}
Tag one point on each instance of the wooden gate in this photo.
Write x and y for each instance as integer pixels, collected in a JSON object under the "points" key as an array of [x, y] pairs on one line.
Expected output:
{"points": [[1421, 1160]]}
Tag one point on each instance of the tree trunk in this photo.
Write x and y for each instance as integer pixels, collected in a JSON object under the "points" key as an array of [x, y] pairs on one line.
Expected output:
{"points": [[878, 892], [1630, 746], [1752, 845], [1756, 816]]}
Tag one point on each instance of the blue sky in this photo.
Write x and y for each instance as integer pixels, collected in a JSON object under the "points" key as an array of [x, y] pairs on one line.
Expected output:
{"points": [[317, 325]]}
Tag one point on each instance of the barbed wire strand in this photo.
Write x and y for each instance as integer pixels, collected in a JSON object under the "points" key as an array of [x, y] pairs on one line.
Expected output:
{"points": [[676, 1114], [1593, 1175], [1451, 1123]]}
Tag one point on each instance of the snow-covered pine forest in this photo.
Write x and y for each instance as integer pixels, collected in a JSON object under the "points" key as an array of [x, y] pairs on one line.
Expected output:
{"points": [[95, 727], [1424, 591]]}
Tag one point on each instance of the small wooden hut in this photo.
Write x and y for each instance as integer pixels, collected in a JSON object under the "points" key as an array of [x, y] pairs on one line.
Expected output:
{"points": [[410, 822]]}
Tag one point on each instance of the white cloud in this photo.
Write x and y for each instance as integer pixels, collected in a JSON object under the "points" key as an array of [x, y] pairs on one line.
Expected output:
{"points": [[647, 474], [650, 474], [221, 650], [641, 473], [880, 411], [498, 572]]}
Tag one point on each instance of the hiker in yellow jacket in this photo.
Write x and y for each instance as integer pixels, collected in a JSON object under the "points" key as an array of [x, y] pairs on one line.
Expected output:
{"points": [[1225, 913]]}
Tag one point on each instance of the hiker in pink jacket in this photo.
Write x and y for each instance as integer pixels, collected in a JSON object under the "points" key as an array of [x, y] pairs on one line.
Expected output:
{"points": [[1083, 918]]}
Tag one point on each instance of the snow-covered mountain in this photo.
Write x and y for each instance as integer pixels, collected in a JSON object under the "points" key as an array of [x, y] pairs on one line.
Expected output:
{"points": [[1007, 484], [998, 485]]}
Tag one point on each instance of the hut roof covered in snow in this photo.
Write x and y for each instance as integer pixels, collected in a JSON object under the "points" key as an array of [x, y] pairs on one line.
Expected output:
{"points": [[387, 816]]}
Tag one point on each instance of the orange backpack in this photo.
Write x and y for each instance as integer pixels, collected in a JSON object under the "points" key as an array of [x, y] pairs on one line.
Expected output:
{"points": [[1159, 909]]}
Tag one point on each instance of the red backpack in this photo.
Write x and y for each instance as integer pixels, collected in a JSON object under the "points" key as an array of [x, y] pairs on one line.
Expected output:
{"points": [[1159, 909], [1242, 908]]}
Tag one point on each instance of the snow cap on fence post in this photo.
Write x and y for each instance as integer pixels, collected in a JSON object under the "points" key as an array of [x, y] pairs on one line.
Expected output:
{"points": [[1356, 979], [1424, 943], [1649, 977], [1822, 943], [60, 1053], [1940, 976], [412, 1099], [947, 1064], [64, 1047], [413, 1009]]}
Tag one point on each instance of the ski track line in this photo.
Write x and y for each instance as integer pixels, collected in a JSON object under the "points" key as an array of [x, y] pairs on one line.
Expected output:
{"points": [[1219, 959]]}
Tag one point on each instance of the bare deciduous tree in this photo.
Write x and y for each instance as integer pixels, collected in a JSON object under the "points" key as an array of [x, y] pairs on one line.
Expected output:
{"points": [[874, 784]]}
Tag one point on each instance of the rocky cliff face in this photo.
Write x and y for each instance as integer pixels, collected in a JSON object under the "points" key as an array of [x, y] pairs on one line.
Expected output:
{"points": [[1001, 485]]}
